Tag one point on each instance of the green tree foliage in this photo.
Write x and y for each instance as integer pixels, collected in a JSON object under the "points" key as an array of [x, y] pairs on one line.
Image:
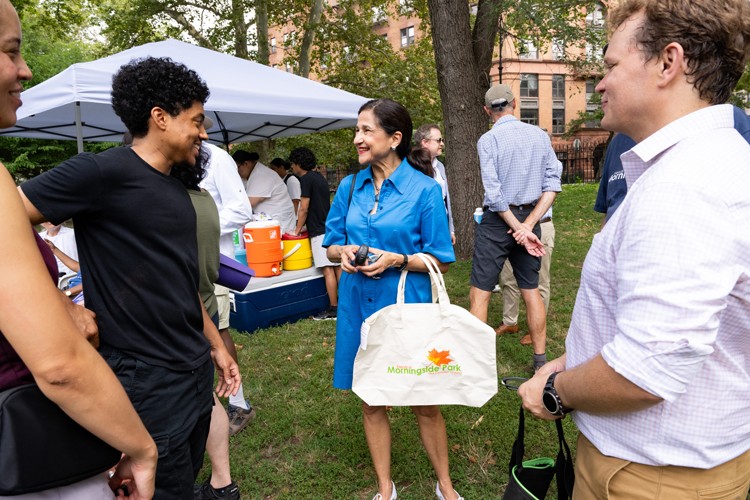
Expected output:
{"points": [[741, 95], [351, 55], [56, 34]]}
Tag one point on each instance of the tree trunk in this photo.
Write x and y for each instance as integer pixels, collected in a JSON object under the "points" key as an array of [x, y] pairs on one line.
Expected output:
{"points": [[261, 24], [462, 83], [316, 12]]}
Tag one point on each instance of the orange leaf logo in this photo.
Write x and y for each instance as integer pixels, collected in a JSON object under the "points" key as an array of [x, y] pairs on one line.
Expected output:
{"points": [[439, 357]]}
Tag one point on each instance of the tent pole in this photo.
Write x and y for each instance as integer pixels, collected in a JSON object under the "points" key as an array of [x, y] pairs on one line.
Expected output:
{"points": [[79, 131]]}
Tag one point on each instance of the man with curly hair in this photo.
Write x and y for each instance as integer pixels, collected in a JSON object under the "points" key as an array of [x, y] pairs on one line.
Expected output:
{"points": [[136, 235], [658, 358]]}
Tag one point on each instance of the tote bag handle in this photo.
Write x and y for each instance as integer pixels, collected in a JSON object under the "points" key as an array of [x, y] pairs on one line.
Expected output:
{"points": [[436, 279]]}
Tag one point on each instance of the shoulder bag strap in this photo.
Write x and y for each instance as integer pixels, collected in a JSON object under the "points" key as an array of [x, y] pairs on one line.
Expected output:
{"points": [[563, 466], [349, 202], [516, 456]]}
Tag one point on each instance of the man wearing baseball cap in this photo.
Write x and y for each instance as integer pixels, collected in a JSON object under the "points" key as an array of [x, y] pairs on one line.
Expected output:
{"points": [[521, 177]]}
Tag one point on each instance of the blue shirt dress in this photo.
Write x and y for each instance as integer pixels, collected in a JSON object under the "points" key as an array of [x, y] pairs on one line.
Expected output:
{"points": [[410, 218]]}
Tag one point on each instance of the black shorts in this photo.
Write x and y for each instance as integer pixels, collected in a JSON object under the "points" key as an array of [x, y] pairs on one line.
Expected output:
{"points": [[493, 244]]}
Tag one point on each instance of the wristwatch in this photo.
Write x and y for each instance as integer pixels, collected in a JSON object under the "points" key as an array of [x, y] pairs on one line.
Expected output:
{"points": [[551, 399], [404, 263]]}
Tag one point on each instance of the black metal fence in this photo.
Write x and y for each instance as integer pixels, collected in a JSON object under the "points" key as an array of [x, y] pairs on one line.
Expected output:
{"points": [[581, 162]]}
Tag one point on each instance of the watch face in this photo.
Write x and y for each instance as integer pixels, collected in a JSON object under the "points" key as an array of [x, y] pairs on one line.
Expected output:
{"points": [[550, 403]]}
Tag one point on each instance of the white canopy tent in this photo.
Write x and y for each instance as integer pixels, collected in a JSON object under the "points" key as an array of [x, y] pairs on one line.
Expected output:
{"points": [[248, 102]]}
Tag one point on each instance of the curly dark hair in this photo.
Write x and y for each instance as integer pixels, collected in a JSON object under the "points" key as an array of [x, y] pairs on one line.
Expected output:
{"points": [[144, 84], [191, 175], [303, 157], [715, 36]]}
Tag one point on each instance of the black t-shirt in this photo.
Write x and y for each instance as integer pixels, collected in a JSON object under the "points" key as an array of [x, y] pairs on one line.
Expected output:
{"points": [[315, 186], [136, 237]]}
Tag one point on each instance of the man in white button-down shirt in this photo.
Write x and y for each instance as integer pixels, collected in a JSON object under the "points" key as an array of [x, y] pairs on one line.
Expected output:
{"points": [[658, 352]]}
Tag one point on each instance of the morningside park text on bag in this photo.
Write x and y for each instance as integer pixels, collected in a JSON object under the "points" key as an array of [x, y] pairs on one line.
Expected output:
{"points": [[425, 354]]}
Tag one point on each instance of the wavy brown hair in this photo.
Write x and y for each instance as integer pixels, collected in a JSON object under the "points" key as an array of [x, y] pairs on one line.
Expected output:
{"points": [[714, 34]]}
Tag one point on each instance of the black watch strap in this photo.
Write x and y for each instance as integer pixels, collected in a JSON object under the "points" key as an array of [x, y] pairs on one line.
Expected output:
{"points": [[551, 399], [404, 263]]}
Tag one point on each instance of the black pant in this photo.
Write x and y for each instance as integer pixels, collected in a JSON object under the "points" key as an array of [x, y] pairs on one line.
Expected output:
{"points": [[175, 407]]}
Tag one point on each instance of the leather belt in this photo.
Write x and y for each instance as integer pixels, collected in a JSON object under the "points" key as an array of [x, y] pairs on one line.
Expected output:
{"points": [[546, 219], [528, 206]]}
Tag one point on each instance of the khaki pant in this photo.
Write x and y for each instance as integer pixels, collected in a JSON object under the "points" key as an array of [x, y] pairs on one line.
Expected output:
{"points": [[599, 477], [222, 298], [511, 294]]}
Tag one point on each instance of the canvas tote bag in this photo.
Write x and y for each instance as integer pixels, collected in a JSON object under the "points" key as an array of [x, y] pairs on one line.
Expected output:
{"points": [[425, 354]]}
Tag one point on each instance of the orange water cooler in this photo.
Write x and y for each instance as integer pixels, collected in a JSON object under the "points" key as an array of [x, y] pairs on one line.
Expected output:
{"points": [[265, 250]]}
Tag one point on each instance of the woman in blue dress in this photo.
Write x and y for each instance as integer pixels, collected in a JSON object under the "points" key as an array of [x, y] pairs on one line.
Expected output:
{"points": [[397, 210]]}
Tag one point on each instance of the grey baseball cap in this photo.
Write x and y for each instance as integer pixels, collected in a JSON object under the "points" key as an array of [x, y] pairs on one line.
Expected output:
{"points": [[498, 96]]}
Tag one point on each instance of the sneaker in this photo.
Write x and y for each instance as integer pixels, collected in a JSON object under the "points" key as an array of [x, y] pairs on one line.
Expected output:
{"points": [[439, 493], [329, 313], [207, 492], [239, 418], [378, 496]]}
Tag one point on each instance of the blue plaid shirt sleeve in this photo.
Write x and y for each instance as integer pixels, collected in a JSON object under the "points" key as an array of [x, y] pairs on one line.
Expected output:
{"points": [[493, 192]]}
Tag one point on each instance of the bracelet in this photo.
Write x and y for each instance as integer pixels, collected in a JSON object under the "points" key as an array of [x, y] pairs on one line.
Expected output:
{"points": [[403, 264]]}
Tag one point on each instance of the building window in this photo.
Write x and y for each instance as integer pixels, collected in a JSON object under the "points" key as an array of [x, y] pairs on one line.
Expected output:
{"points": [[558, 121], [405, 7], [379, 15], [595, 17], [529, 85], [407, 36], [594, 53], [592, 101], [528, 50], [273, 45], [530, 116], [558, 86], [558, 50]]}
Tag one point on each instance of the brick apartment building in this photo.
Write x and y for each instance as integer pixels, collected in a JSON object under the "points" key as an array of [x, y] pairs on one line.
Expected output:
{"points": [[549, 94]]}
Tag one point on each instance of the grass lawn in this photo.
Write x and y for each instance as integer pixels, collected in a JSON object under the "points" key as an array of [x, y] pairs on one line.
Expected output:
{"points": [[307, 440]]}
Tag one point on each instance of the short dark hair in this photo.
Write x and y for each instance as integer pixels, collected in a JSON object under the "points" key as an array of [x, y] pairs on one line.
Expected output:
{"points": [[279, 163], [393, 117], [303, 157], [143, 84], [241, 156]]}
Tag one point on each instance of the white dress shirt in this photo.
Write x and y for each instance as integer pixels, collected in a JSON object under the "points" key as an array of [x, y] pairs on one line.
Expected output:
{"points": [[266, 183], [225, 186], [665, 297]]}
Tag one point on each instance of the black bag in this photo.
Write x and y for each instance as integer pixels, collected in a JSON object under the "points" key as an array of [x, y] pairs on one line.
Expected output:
{"points": [[530, 479], [41, 447]]}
